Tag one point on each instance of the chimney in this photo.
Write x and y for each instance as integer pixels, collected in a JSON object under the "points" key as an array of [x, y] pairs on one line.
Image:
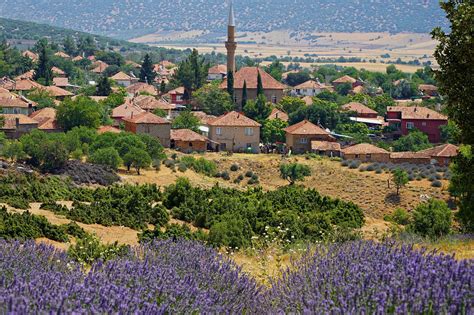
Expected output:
{"points": [[131, 116], [17, 122], [416, 109]]}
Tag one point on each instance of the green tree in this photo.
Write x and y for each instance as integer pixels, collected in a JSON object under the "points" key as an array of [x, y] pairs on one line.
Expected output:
{"points": [[358, 131], [12, 150], [81, 111], [43, 98], [291, 104], [230, 84], [322, 113], [43, 72], [294, 79], [344, 89], [272, 131], [87, 46], [294, 172], [212, 100], [400, 178], [450, 133], [54, 155], [70, 46], [103, 87], [163, 87], [106, 156], [455, 56], [260, 90], [231, 231], [404, 90], [275, 69], [415, 141], [259, 109], [147, 71], [432, 219], [381, 102], [244, 96], [191, 73], [186, 120], [137, 158]]}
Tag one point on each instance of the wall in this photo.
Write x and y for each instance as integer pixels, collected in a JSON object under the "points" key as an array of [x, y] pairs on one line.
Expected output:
{"points": [[184, 146], [294, 142], [431, 128], [378, 157], [234, 139], [160, 131]]}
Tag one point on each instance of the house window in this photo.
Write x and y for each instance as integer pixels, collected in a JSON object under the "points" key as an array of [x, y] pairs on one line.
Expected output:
{"points": [[190, 144], [304, 140], [368, 156], [357, 156], [274, 99], [248, 131], [410, 125], [218, 131], [235, 99], [423, 124], [249, 146]]}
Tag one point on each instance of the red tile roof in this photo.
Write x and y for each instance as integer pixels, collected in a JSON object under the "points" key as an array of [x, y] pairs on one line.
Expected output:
{"points": [[409, 155], [62, 54], [126, 110], [444, 150], [15, 102], [178, 90], [9, 120], [250, 75], [150, 103], [57, 71], [219, 69], [427, 87], [278, 114], [30, 54], [141, 87], [61, 82], [99, 66], [305, 127], [325, 146], [358, 108], [187, 135], [234, 119], [308, 100], [364, 148], [310, 84], [121, 76], [104, 129], [46, 118], [345, 79], [27, 75], [57, 91], [203, 117], [26, 85], [417, 112], [147, 118]]}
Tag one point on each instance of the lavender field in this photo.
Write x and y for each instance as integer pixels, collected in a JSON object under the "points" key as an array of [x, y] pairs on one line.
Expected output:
{"points": [[187, 277]]}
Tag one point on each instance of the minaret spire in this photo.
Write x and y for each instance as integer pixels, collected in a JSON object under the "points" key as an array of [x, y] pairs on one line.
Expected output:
{"points": [[230, 44]]}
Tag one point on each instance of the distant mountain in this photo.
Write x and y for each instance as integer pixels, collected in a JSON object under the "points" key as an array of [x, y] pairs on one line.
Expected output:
{"points": [[131, 18]]}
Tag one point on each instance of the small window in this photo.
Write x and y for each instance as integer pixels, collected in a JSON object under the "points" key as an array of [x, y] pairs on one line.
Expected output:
{"points": [[190, 144], [249, 131], [410, 125], [423, 124], [304, 140], [274, 99], [368, 156], [219, 131], [357, 156], [249, 145]]}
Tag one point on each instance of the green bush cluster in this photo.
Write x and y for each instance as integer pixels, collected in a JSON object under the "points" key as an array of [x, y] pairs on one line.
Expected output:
{"points": [[174, 231], [234, 216], [89, 249], [200, 165], [28, 226]]}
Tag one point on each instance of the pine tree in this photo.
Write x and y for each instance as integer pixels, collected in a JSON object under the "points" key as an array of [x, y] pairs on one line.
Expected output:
{"points": [[70, 46], [230, 84], [163, 87], [244, 96], [147, 73], [43, 72], [103, 87], [259, 84]]}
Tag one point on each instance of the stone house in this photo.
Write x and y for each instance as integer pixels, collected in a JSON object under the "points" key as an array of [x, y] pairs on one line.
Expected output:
{"points": [[300, 136], [150, 124]]}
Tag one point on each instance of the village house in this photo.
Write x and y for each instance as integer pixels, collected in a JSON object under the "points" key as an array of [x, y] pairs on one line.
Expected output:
{"points": [[150, 124], [29, 54], [58, 72], [150, 104], [361, 110], [300, 136], [46, 119], [16, 125], [141, 88], [23, 85], [331, 149], [272, 89], [346, 79], [15, 104], [234, 132], [61, 82], [405, 119], [278, 114], [133, 64], [409, 157], [125, 111], [218, 72], [442, 155], [27, 75], [310, 88], [177, 96], [188, 141], [366, 153], [62, 55], [99, 67], [428, 90], [124, 79], [77, 58]]}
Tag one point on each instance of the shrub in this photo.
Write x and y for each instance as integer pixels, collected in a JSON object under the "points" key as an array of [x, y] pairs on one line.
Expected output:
{"points": [[294, 172], [73, 229], [106, 156], [249, 174], [432, 178], [354, 164], [18, 203], [439, 176], [156, 164], [89, 249], [252, 181], [378, 171], [371, 168], [234, 168], [170, 163], [240, 177], [362, 168], [400, 216], [437, 184], [182, 168], [432, 219], [237, 181], [345, 163], [225, 176]]}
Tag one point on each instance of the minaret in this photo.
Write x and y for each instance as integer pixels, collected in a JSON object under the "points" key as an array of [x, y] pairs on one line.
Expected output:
{"points": [[230, 44]]}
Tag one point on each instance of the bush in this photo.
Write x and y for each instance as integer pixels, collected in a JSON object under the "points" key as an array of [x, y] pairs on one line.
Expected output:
{"points": [[73, 229], [437, 184], [18, 203], [234, 168], [432, 219], [362, 168], [399, 216], [170, 163], [249, 174], [240, 177], [89, 249], [345, 163], [378, 171], [182, 168], [371, 168], [106, 156], [201, 165], [432, 178], [225, 176], [354, 164], [252, 181]]}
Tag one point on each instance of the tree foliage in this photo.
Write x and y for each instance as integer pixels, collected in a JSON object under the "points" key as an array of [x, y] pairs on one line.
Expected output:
{"points": [[212, 100], [400, 178], [81, 111], [187, 120], [432, 219], [272, 131], [294, 172], [147, 72], [415, 141], [43, 72]]}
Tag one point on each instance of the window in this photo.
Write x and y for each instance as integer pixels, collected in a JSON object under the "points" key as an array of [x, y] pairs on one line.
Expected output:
{"points": [[304, 140], [218, 131], [423, 124], [368, 156], [249, 146], [410, 125], [357, 156], [274, 99], [248, 131]]}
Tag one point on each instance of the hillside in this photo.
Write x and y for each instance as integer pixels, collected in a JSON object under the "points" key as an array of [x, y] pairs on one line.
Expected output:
{"points": [[132, 18]]}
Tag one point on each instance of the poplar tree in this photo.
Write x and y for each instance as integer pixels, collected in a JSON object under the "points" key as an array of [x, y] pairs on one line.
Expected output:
{"points": [[147, 73]]}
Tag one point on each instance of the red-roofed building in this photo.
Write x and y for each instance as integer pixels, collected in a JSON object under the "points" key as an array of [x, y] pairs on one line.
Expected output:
{"points": [[188, 141], [278, 114], [105, 129], [405, 119], [273, 90], [218, 72], [361, 110], [300, 136], [235, 132], [177, 96], [124, 111], [310, 88], [443, 154], [150, 124], [16, 125], [46, 119]]}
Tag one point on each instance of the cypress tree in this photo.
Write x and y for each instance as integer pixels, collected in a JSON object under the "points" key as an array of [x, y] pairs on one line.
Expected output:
{"points": [[103, 87], [147, 73], [230, 84], [162, 87], [259, 84], [43, 71], [244, 95]]}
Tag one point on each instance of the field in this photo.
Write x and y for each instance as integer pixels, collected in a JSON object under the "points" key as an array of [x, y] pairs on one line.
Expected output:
{"points": [[369, 46]]}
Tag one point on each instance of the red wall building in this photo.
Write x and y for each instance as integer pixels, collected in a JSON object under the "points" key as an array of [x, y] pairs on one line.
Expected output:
{"points": [[424, 119]]}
